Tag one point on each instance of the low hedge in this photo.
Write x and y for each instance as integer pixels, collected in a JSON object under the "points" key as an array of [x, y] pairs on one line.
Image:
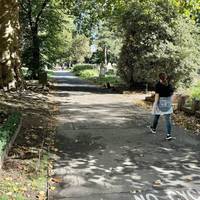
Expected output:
{"points": [[77, 69], [112, 79], [194, 91], [89, 73], [8, 129]]}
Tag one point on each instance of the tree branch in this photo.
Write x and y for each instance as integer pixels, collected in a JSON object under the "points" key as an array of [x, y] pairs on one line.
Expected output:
{"points": [[30, 14], [22, 6], [41, 11]]}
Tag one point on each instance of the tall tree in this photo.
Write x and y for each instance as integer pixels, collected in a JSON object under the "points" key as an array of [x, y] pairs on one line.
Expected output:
{"points": [[31, 13], [157, 38], [88, 13], [9, 40], [108, 43], [56, 35], [80, 49], [190, 8]]}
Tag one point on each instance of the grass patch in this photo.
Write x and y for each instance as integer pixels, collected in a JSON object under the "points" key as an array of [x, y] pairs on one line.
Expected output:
{"points": [[21, 188], [78, 69], [91, 73], [24, 175], [112, 79], [24, 71], [16, 197], [49, 73], [8, 129], [12, 190], [194, 91], [40, 179]]}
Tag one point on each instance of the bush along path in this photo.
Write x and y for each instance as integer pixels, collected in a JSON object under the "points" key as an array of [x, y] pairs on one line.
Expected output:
{"points": [[92, 73], [105, 151], [8, 134], [25, 170]]}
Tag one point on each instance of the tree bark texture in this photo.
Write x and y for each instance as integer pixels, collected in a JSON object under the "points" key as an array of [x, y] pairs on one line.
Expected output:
{"points": [[34, 22], [35, 53], [9, 41]]}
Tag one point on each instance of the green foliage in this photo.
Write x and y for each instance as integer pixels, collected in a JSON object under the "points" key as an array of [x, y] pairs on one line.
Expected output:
{"points": [[17, 197], [112, 79], [49, 73], [47, 34], [89, 73], [77, 69], [157, 38], [8, 129], [56, 43], [26, 73], [87, 15], [194, 91], [36, 180], [154, 33], [80, 49], [109, 41], [190, 8], [97, 56]]}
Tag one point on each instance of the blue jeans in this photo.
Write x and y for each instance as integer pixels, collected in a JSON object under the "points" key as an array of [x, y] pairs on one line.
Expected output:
{"points": [[167, 122]]}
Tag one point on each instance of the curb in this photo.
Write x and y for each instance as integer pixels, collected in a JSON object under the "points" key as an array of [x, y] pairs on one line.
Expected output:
{"points": [[9, 145]]}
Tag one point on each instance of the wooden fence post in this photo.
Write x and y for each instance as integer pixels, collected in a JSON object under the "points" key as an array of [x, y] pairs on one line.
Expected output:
{"points": [[181, 102], [195, 105]]}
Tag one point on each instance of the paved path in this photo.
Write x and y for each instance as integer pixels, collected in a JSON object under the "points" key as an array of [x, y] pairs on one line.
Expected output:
{"points": [[105, 151]]}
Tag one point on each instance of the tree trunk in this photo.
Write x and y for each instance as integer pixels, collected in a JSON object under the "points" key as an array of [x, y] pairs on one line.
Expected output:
{"points": [[35, 53], [105, 56], [131, 79], [9, 40]]}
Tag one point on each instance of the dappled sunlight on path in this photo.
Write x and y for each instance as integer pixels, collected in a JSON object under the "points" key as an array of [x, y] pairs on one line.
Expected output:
{"points": [[106, 152]]}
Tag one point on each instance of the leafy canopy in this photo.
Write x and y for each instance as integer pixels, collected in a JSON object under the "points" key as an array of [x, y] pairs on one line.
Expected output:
{"points": [[157, 38]]}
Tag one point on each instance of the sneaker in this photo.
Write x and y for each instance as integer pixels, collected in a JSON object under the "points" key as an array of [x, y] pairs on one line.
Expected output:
{"points": [[169, 137], [152, 129]]}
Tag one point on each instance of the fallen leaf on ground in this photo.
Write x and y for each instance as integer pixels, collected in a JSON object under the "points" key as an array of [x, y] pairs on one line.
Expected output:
{"points": [[188, 178], [8, 179], [41, 195], [23, 189], [9, 193], [157, 183], [52, 188], [57, 180]]}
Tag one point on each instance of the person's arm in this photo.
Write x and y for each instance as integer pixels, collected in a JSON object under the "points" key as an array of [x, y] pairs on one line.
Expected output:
{"points": [[156, 98], [155, 101], [157, 91], [171, 90]]}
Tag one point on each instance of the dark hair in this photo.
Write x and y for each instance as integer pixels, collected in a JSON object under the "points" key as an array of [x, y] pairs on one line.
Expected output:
{"points": [[163, 77]]}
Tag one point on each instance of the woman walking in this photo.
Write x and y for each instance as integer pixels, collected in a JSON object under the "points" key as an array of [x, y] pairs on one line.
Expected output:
{"points": [[163, 104]]}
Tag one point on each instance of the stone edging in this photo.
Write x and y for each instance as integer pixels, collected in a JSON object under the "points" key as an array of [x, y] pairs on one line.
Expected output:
{"points": [[10, 144]]}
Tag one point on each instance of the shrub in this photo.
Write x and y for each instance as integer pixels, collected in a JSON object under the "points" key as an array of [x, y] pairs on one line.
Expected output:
{"points": [[110, 72], [195, 91], [89, 73], [26, 72], [113, 80], [8, 129], [80, 67], [157, 38]]}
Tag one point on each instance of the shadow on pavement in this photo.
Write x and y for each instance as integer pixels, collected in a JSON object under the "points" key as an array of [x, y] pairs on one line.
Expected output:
{"points": [[66, 81], [106, 152]]}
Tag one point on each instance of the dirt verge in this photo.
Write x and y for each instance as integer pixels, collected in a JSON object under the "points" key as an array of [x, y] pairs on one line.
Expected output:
{"points": [[24, 174]]}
